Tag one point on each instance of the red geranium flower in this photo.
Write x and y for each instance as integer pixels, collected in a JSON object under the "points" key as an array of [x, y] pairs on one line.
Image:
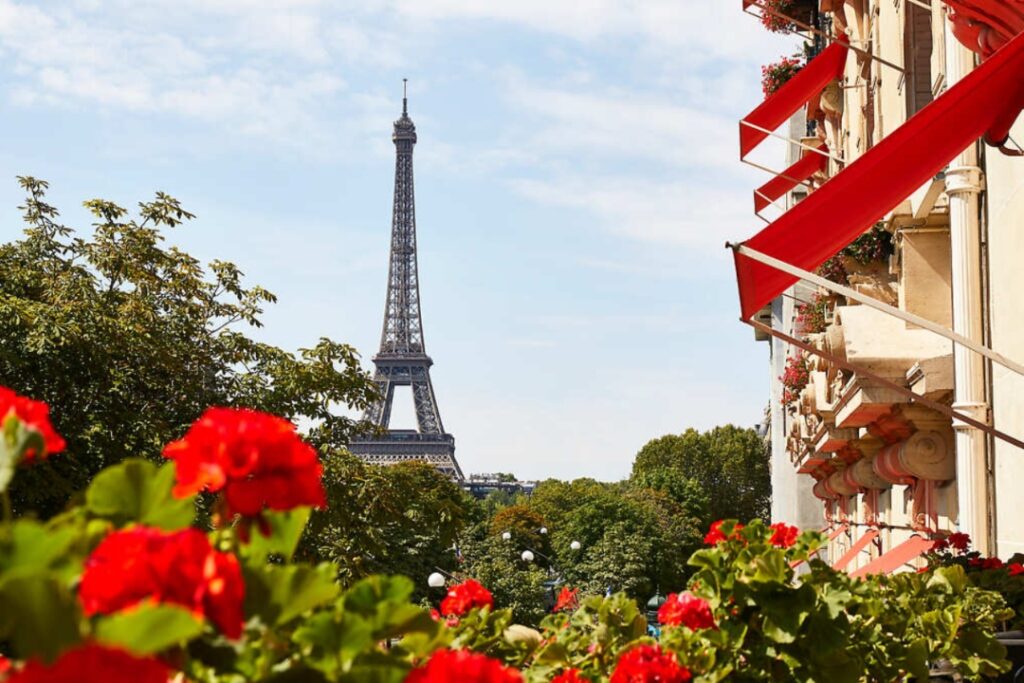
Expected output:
{"points": [[1015, 568], [686, 609], [649, 664], [464, 597], [257, 459], [567, 599], [783, 535], [93, 663], [959, 541], [179, 568], [36, 416], [991, 563], [715, 535], [570, 676], [447, 666]]}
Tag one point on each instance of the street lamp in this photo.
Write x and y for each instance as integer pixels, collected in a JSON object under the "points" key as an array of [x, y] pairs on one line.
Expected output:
{"points": [[575, 545], [436, 580], [506, 536], [544, 530], [527, 556]]}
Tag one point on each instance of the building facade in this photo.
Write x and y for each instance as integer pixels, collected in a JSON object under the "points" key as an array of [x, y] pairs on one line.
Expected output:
{"points": [[868, 409]]}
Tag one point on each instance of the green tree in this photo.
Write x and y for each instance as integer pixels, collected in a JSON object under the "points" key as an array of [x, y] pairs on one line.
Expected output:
{"points": [[728, 463], [515, 584], [400, 519], [129, 341]]}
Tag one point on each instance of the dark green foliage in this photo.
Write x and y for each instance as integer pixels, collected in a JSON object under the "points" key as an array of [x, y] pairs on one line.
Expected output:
{"points": [[729, 465], [129, 341]]}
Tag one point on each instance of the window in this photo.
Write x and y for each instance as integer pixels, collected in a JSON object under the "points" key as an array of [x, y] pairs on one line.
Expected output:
{"points": [[917, 57]]}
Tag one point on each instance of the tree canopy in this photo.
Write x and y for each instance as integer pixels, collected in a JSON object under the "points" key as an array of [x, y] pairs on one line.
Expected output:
{"points": [[129, 340]]}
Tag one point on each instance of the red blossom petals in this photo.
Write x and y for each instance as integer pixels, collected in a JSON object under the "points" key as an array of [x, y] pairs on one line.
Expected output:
{"points": [[257, 459], [567, 599], [449, 666], [686, 609], [1015, 569], [465, 596], [715, 534], [34, 415], [181, 568], [783, 535], [649, 664], [91, 663]]}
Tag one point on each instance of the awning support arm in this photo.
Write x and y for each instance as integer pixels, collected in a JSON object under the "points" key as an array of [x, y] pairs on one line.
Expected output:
{"points": [[888, 384], [816, 150], [879, 306]]}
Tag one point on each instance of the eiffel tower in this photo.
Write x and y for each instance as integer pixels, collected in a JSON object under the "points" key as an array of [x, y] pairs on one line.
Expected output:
{"points": [[402, 360]]}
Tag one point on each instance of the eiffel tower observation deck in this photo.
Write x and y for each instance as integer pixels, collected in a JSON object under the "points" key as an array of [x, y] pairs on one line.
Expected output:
{"points": [[402, 359]]}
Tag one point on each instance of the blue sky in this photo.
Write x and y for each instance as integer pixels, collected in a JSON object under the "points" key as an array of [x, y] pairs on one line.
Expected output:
{"points": [[576, 178]]}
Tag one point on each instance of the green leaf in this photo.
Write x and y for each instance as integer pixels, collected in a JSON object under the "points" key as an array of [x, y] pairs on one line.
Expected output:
{"points": [[35, 548], [136, 491], [285, 531], [278, 594], [149, 628], [38, 615]]}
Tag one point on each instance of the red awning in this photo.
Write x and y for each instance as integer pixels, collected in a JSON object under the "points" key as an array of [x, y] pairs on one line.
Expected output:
{"points": [[855, 549], [984, 26], [896, 558], [795, 93], [859, 196], [812, 162]]}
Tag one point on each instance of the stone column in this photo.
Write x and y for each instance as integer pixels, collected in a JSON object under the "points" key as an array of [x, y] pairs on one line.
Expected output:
{"points": [[963, 185]]}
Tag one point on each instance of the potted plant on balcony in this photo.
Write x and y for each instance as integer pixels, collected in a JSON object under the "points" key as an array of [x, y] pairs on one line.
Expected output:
{"points": [[775, 75], [779, 15], [868, 254]]}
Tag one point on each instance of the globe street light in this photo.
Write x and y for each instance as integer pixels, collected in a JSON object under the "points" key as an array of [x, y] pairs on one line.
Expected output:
{"points": [[506, 536], [527, 556], [436, 580], [575, 545], [544, 530]]}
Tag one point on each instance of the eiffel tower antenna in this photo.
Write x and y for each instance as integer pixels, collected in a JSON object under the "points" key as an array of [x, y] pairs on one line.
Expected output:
{"points": [[402, 359]]}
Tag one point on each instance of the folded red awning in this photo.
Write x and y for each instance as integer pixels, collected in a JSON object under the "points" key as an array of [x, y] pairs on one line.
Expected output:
{"points": [[810, 163], [986, 25], [855, 549], [794, 93], [897, 557], [859, 196]]}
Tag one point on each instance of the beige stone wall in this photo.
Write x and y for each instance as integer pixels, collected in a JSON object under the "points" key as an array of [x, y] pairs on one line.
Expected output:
{"points": [[1005, 199]]}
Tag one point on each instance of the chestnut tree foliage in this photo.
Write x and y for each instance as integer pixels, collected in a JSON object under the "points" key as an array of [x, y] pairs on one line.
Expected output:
{"points": [[129, 340], [724, 469]]}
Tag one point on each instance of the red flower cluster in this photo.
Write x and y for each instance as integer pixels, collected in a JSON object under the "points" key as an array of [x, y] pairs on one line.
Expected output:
{"points": [[567, 599], [715, 535], [986, 562], [570, 676], [1015, 569], [445, 666], [649, 664], [257, 459], [179, 568], [774, 76], [772, 21], [794, 378], [464, 597], [956, 540], [686, 609], [783, 535], [34, 415], [93, 663]]}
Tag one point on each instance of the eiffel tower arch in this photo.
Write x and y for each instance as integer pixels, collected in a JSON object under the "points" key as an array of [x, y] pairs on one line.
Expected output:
{"points": [[402, 359]]}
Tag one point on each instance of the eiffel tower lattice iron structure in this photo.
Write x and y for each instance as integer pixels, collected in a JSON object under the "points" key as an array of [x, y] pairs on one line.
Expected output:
{"points": [[402, 360]]}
